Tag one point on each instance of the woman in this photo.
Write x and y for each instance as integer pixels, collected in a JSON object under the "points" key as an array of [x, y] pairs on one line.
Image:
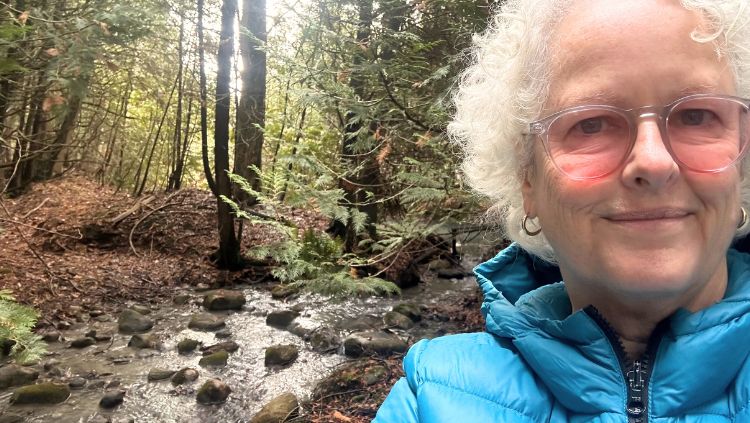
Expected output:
{"points": [[623, 126]]}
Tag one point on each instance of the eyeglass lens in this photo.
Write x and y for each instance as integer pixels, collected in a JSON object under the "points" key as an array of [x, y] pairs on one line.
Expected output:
{"points": [[703, 134]]}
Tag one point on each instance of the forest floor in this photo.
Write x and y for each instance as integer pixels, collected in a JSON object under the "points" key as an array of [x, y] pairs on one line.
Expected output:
{"points": [[71, 245]]}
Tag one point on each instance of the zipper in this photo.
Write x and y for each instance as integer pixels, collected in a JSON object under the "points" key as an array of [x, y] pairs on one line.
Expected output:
{"points": [[637, 373]]}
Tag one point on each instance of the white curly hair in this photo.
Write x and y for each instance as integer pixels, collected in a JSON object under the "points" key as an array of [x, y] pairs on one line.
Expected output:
{"points": [[506, 85]]}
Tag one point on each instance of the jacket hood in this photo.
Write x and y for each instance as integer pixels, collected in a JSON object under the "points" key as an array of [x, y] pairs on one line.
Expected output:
{"points": [[697, 358]]}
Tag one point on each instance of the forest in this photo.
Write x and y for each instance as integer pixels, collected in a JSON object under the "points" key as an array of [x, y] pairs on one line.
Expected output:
{"points": [[256, 200]]}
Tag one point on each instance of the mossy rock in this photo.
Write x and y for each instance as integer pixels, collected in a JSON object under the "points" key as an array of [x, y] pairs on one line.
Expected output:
{"points": [[14, 375], [206, 322], [280, 409], [217, 359], [281, 355], [410, 310], [279, 292], [186, 346], [43, 393], [397, 320], [185, 375], [224, 300], [213, 392], [160, 374]]}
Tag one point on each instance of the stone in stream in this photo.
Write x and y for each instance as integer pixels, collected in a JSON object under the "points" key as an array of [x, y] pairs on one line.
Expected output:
{"points": [[13, 375], [397, 320], [280, 409], [279, 292], [11, 418], [82, 342], [300, 330], [360, 344], [112, 399], [281, 319], [77, 382], [159, 374], [324, 340], [185, 375], [43, 393], [50, 335], [181, 299], [206, 322], [130, 321], [228, 346], [144, 341], [224, 300], [213, 392], [410, 310], [281, 355], [223, 334], [217, 359], [186, 346], [141, 309]]}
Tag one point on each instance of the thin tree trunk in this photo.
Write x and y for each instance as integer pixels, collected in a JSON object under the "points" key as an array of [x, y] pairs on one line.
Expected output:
{"points": [[204, 106], [177, 149]]}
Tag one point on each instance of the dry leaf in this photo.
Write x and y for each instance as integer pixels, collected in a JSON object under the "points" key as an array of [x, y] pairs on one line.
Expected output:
{"points": [[23, 17], [52, 52], [105, 28], [340, 417], [52, 101]]}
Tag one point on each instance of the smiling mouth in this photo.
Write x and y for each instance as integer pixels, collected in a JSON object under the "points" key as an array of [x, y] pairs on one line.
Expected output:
{"points": [[648, 215]]}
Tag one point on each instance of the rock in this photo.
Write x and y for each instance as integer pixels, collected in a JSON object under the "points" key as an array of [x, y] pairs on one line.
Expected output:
{"points": [[408, 277], [96, 313], [362, 323], [144, 341], [159, 374], [131, 321], [217, 359], [11, 418], [63, 325], [43, 393], [374, 375], [281, 355], [213, 392], [13, 375], [5, 346], [440, 264], [77, 382], [279, 292], [324, 340], [181, 299], [453, 273], [103, 318], [282, 408], [82, 342], [184, 375], [102, 337], [50, 336], [409, 310], [281, 318], [206, 322], [224, 300], [186, 346], [228, 346], [373, 343], [141, 309], [223, 334], [300, 330], [112, 399], [397, 320]]}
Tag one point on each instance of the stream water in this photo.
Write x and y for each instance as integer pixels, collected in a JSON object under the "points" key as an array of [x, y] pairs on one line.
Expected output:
{"points": [[108, 364]]}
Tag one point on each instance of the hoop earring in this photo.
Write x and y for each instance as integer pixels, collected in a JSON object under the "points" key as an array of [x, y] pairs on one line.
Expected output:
{"points": [[538, 231], [743, 220]]}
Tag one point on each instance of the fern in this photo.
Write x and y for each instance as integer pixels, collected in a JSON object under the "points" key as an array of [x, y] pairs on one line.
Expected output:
{"points": [[16, 324]]}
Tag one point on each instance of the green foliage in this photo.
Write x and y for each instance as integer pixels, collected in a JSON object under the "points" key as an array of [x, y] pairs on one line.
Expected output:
{"points": [[16, 324]]}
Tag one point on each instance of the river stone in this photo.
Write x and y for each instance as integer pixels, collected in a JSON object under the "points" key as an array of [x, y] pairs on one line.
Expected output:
{"points": [[213, 392], [82, 342], [11, 418], [228, 346], [280, 409], [186, 346], [43, 393], [223, 334], [324, 340], [181, 299], [373, 343], [141, 309], [453, 273], [279, 292], [300, 330], [102, 337], [112, 399], [77, 383], [184, 375], [394, 319], [131, 321], [217, 359], [409, 310], [144, 341], [206, 322], [14, 375], [159, 374], [104, 318], [374, 375], [50, 335], [281, 355], [280, 319], [224, 300]]}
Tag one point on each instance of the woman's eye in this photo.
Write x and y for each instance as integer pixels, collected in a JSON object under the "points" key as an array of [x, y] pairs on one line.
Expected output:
{"points": [[694, 117], [590, 126]]}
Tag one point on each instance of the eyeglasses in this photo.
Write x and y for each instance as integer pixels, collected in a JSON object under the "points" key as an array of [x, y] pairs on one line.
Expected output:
{"points": [[703, 133]]}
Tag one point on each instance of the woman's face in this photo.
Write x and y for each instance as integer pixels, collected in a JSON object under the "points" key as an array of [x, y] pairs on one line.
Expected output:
{"points": [[650, 227]]}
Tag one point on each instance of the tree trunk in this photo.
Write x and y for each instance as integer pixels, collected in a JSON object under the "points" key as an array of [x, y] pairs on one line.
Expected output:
{"points": [[204, 107], [251, 113], [228, 256], [177, 141]]}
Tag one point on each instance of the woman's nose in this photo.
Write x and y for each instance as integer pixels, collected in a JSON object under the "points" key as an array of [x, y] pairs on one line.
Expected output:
{"points": [[650, 165]]}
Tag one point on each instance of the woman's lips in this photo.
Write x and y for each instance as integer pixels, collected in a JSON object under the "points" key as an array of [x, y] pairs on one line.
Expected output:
{"points": [[648, 219]]}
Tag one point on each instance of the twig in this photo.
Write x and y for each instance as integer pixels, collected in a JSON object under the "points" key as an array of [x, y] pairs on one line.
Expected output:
{"points": [[35, 208], [132, 231]]}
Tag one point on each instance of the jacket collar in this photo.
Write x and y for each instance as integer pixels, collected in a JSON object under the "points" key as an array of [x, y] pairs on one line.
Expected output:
{"points": [[699, 356]]}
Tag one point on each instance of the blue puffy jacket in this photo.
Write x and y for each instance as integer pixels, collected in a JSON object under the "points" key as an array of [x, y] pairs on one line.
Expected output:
{"points": [[538, 362]]}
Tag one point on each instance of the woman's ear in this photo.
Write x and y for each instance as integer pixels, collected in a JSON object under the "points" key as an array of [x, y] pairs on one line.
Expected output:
{"points": [[527, 191]]}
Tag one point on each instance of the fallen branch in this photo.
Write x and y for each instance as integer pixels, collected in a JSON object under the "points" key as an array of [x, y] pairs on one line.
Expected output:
{"points": [[35, 209], [122, 216], [132, 231]]}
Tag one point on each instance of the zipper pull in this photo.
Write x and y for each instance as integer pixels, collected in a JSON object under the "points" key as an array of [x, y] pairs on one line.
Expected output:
{"points": [[636, 383]]}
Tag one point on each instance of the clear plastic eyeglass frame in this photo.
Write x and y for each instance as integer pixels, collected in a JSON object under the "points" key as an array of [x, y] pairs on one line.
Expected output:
{"points": [[633, 117]]}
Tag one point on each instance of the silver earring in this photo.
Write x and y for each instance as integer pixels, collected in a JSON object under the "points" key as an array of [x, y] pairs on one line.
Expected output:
{"points": [[533, 233], [743, 220]]}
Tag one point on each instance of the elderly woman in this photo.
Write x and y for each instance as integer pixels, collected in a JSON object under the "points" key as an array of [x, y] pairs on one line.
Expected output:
{"points": [[610, 136]]}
